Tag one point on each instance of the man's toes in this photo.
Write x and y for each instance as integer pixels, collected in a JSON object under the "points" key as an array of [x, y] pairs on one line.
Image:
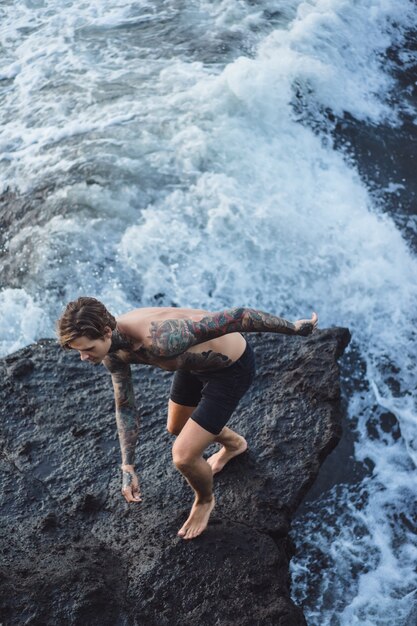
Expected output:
{"points": [[189, 533], [182, 532]]}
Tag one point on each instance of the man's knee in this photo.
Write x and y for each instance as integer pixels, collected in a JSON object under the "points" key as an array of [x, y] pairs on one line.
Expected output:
{"points": [[173, 428], [181, 457]]}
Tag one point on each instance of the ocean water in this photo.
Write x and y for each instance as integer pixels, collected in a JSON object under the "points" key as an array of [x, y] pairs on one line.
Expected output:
{"points": [[218, 153]]}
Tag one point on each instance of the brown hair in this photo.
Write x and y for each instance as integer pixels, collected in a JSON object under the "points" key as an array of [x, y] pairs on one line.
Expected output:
{"points": [[83, 317]]}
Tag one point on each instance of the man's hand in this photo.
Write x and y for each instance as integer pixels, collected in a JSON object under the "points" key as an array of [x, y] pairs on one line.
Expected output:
{"points": [[306, 327], [130, 484]]}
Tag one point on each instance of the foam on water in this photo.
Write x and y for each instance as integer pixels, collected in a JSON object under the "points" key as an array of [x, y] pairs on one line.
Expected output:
{"points": [[203, 184], [22, 321]]}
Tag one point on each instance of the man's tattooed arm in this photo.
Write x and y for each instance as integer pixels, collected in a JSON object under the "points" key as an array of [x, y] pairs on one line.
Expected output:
{"points": [[174, 336], [127, 420]]}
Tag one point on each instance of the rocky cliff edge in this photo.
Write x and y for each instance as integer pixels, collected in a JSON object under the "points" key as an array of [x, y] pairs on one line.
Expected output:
{"points": [[73, 552]]}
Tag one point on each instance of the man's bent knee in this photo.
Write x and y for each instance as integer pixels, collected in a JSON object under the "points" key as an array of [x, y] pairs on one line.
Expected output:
{"points": [[182, 461], [174, 429], [182, 458]]}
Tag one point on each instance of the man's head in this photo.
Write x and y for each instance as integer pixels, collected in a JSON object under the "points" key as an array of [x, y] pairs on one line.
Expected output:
{"points": [[86, 325]]}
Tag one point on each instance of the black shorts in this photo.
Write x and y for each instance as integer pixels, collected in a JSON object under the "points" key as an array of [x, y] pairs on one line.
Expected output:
{"points": [[215, 393]]}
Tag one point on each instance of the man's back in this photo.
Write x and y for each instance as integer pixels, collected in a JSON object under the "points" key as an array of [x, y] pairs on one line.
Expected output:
{"points": [[178, 338]]}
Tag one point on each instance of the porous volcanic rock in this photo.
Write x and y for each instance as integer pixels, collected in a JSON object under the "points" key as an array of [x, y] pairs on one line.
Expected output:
{"points": [[74, 552]]}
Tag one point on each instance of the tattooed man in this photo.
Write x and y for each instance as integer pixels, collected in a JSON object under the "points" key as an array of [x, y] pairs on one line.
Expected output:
{"points": [[213, 365]]}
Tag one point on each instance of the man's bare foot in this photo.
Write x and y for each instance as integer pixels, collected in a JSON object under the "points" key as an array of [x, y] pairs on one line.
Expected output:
{"points": [[218, 460], [197, 520]]}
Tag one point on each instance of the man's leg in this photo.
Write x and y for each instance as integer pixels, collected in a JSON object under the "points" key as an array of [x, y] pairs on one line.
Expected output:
{"points": [[187, 454], [232, 444], [178, 414]]}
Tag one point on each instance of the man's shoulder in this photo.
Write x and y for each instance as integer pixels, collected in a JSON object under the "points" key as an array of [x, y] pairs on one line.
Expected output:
{"points": [[114, 363]]}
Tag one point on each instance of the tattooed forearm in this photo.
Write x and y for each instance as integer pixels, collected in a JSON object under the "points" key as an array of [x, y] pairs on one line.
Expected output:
{"points": [[127, 479], [127, 428], [127, 418], [174, 336]]}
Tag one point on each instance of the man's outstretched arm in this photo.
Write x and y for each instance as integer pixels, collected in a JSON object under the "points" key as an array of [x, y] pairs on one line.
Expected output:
{"points": [[127, 420], [174, 336]]}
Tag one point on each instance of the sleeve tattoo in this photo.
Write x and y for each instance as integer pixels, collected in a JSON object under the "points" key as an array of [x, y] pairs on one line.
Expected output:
{"points": [[173, 337], [127, 417]]}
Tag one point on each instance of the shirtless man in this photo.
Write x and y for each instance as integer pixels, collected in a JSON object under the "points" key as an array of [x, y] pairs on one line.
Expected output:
{"points": [[213, 364]]}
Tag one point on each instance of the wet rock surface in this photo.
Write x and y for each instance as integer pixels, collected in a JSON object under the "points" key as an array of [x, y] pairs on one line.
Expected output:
{"points": [[72, 550]]}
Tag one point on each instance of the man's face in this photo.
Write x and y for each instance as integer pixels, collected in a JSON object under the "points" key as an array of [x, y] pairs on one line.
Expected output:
{"points": [[92, 350]]}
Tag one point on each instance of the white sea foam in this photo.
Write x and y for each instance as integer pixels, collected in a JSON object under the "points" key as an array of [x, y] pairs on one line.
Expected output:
{"points": [[22, 320], [193, 183]]}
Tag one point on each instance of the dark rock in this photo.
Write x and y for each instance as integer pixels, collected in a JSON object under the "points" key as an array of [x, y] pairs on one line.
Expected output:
{"points": [[20, 368], [49, 522], [98, 560], [25, 448], [89, 503]]}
